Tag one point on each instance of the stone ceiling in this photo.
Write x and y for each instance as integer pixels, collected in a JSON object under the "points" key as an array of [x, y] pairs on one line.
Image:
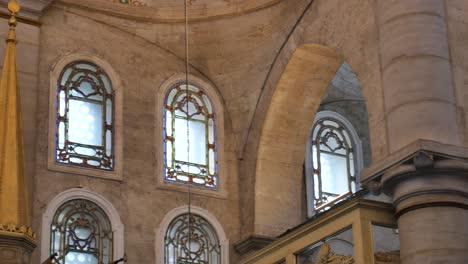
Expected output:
{"points": [[173, 10]]}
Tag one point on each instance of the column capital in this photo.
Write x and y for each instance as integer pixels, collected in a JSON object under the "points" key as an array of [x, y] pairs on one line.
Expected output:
{"points": [[422, 174]]}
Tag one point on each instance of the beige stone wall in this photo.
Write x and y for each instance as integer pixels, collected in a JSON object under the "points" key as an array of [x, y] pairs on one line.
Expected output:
{"points": [[244, 55], [457, 19], [144, 54], [353, 37]]}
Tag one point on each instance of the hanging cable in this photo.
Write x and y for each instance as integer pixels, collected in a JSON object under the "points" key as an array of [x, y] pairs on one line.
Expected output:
{"points": [[189, 224]]}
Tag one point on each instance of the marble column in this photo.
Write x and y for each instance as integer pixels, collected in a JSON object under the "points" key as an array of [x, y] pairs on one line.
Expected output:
{"points": [[428, 182], [417, 80]]}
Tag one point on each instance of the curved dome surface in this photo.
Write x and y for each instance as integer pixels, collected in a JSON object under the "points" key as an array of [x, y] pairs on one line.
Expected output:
{"points": [[173, 10]]}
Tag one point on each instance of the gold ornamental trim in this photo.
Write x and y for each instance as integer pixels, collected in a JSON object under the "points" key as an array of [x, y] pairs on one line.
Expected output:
{"points": [[18, 230]]}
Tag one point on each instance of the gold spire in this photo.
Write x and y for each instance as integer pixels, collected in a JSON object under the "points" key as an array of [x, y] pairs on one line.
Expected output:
{"points": [[14, 216]]}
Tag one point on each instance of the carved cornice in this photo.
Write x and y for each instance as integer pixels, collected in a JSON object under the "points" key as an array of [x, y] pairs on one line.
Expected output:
{"points": [[420, 156], [31, 10], [252, 243], [16, 230]]}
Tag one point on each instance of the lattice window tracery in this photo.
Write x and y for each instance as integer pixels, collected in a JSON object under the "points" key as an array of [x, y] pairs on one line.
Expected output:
{"points": [[333, 158], [196, 165], [198, 244], [81, 233], [85, 117]]}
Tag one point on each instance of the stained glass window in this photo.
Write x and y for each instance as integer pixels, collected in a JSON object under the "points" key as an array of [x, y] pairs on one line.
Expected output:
{"points": [[195, 163], [333, 162], [191, 240], [81, 233], [84, 122]]}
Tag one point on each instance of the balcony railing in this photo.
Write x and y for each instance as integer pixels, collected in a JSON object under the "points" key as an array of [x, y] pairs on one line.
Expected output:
{"points": [[355, 231]]}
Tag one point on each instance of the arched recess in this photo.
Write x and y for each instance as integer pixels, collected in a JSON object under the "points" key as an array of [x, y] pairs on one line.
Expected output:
{"points": [[287, 125], [117, 88], [81, 193], [218, 104], [161, 231]]}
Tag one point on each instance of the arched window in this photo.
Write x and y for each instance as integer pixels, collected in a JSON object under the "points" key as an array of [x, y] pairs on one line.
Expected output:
{"points": [[81, 233], [332, 161], [85, 117], [189, 107], [197, 244]]}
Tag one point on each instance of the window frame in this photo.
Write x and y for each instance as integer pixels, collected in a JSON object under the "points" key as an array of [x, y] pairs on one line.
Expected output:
{"points": [[176, 212], [218, 108], [55, 75], [311, 211], [173, 139], [84, 194]]}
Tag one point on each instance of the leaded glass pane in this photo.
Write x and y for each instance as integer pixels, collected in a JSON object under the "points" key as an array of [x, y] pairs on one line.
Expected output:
{"points": [[84, 131], [191, 240], [333, 162], [196, 163], [81, 233]]}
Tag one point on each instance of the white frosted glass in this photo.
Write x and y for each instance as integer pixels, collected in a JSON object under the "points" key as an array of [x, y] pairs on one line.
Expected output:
{"points": [[86, 66], [334, 174], [168, 123], [109, 111], [108, 142], [66, 75], [212, 161], [314, 157], [168, 153], [62, 103], [61, 133], [80, 258], [316, 186], [85, 123], [192, 109], [85, 87], [210, 131], [208, 104], [197, 141], [107, 83], [351, 164]]}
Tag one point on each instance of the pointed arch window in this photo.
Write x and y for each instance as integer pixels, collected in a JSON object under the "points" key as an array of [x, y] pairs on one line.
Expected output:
{"points": [[332, 164], [197, 244], [81, 233], [85, 117], [196, 164]]}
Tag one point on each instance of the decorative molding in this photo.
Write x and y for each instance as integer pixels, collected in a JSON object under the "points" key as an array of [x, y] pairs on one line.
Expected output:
{"points": [[161, 231], [31, 10], [15, 248], [15, 229], [412, 154], [166, 12], [252, 243], [81, 193]]}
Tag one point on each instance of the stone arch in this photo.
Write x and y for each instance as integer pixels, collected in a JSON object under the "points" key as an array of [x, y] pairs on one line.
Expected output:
{"points": [[285, 131], [81, 193]]}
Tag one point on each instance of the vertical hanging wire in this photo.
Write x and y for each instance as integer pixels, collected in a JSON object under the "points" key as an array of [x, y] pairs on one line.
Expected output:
{"points": [[188, 127]]}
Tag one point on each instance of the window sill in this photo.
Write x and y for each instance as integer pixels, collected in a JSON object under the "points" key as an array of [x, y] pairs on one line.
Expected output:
{"points": [[109, 175], [219, 194]]}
